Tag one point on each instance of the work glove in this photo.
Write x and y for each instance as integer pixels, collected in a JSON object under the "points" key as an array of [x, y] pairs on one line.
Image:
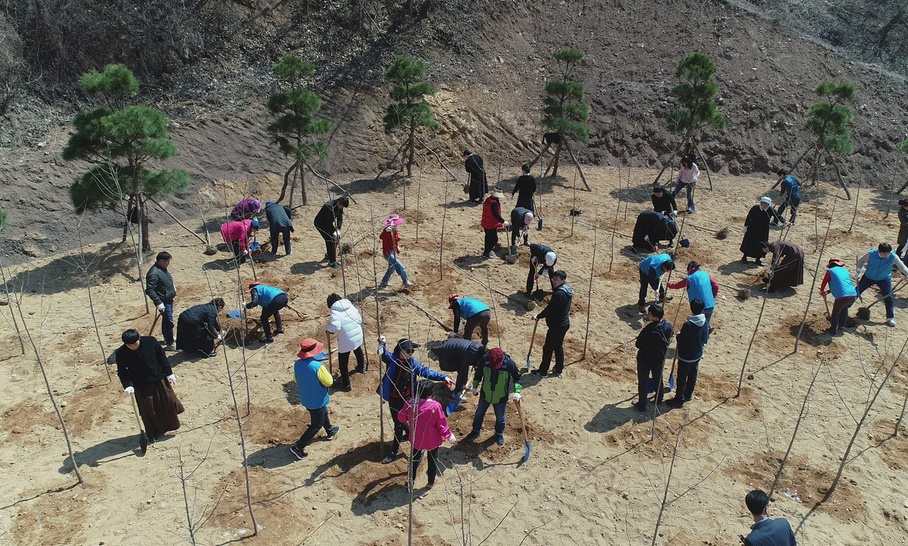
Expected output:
{"points": [[515, 396], [450, 383], [221, 336], [172, 379], [161, 308], [129, 390], [381, 345], [451, 439]]}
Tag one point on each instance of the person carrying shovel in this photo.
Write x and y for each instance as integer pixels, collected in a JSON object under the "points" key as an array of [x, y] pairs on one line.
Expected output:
{"points": [[875, 268], [840, 284]]}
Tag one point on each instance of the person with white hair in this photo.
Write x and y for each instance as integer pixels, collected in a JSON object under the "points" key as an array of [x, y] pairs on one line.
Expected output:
{"points": [[756, 232], [521, 219], [541, 256]]}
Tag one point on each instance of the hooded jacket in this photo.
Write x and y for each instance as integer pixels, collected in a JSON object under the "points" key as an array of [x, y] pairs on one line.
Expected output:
{"points": [[558, 311], [692, 338], [653, 341], [430, 424], [347, 324]]}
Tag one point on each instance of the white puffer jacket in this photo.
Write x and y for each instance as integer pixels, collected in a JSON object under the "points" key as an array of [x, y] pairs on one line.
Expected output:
{"points": [[347, 324]]}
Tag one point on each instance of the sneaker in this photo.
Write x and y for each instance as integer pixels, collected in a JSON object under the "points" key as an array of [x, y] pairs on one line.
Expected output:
{"points": [[499, 439], [342, 386], [335, 265], [890, 322], [471, 436], [675, 402], [359, 369], [298, 453], [390, 458], [332, 433], [169, 347], [640, 406], [279, 331]]}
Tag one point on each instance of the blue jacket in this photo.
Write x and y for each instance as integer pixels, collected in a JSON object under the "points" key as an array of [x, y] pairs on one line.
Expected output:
{"points": [[879, 269], [470, 306], [699, 288], [840, 282], [312, 394], [771, 532], [792, 187], [651, 266], [263, 294], [394, 373]]}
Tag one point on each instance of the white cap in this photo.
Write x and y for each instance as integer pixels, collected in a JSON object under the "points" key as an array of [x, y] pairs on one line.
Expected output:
{"points": [[528, 218], [550, 258], [766, 200]]}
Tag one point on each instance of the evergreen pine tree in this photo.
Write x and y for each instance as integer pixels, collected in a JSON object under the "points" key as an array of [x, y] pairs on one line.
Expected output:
{"points": [[298, 128], [408, 110], [829, 120], [119, 139], [564, 110]]}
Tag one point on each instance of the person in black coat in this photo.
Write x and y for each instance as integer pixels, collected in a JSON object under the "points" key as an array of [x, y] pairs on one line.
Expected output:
{"points": [[456, 354], [479, 184], [328, 222], [145, 373], [525, 188], [756, 232], [902, 237], [521, 218], [198, 328], [544, 258], [557, 315], [691, 341], [663, 201], [652, 343], [652, 227], [279, 224], [159, 288]]}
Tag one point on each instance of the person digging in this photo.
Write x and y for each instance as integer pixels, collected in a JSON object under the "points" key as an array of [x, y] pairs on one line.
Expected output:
{"points": [[475, 313], [456, 354], [272, 300], [396, 388], [199, 330], [838, 279], [650, 229], [495, 382], [328, 222], [312, 383], [651, 270], [544, 258], [279, 225], [521, 219], [875, 268]]}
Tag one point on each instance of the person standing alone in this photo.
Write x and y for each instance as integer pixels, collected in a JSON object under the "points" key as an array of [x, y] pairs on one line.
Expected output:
{"points": [[390, 248], [557, 315], [479, 185], [492, 221], [312, 382], [159, 288]]}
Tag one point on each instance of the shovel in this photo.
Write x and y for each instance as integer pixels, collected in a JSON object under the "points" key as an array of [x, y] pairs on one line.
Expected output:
{"points": [[864, 312], [539, 221], [143, 438], [330, 358], [530, 350], [826, 302], [523, 428], [157, 315]]}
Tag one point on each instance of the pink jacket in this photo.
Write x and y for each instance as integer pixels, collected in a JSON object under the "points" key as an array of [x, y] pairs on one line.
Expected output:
{"points": [[431, 424], [237, 230], [247, 206]]}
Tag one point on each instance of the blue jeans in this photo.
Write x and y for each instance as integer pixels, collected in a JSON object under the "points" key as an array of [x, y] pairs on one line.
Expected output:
{"points": [[709, 316], [885, 287], [167, 323], [500, 412], [690, 194], [394, 265]]}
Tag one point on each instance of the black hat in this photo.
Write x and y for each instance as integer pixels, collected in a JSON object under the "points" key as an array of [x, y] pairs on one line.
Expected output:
{"points": [[903, 202], [405, 345]]}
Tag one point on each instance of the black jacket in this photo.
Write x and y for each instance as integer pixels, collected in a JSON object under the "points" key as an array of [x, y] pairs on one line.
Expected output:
{"points": [[692, 338], [558, 311], [146, 365], [456, 353], [159, 285], [279, 216], [665, 204], [329, 218], [653, 341], [539, 251], [204, 316], [526, 185], [473, 164]]}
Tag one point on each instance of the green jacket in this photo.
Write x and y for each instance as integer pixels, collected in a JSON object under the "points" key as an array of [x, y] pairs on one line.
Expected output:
{"points": [[497, 384]]}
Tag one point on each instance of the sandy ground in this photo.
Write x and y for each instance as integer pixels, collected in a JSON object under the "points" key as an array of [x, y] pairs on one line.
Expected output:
{"points": [[595, 476]]}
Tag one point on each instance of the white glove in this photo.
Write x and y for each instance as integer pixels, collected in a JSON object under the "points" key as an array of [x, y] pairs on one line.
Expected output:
{"points": [[515, 396], [129, 390], [161, 308], [172, 379], [451, 439], [220, 337], [382, 340], [475, 391]]}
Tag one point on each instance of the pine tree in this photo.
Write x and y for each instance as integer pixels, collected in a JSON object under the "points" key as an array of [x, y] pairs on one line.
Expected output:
{"points": [[408, 110], [119, 139], [298, 128], [564, 110]]}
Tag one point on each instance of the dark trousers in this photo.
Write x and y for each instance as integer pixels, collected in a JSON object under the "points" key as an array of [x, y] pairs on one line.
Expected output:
{"points": [[501, 409], [794, 208], [687, 379], [708, 313], [482, 321], [273, 310], [885, 287], [463, 374], [491, 240], [237, 252], [646, 283], [275, 232], [432, 462], [400, 429], [318, 418], [330, 246], [167, 323], [554, 343], [649, 371], [515, 233], [839, 315], [343, 360]]}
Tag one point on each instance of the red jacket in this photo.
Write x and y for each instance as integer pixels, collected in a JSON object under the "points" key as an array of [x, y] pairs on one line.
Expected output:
{"points": [[390, 241], [491, 214]]}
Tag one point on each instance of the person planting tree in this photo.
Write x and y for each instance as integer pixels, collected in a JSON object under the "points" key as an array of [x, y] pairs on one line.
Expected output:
{"points": [[701, 286], [691, 341], [272, 300], [521, 219], [544, 258], [651, 270], [279, 225], [347, 324], [495, 382], [475, 314], [557, 315], [160, 289], [840, 284], [198, 328], [652, 343], [875, 268]]}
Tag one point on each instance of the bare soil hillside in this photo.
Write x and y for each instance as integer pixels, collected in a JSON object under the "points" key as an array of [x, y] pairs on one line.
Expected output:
{"points": [[598, 468]]}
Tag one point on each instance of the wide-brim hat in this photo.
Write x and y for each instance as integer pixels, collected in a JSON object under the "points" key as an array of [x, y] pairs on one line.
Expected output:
{"points": [[498, 195], [394, 220], [309, 347]]}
